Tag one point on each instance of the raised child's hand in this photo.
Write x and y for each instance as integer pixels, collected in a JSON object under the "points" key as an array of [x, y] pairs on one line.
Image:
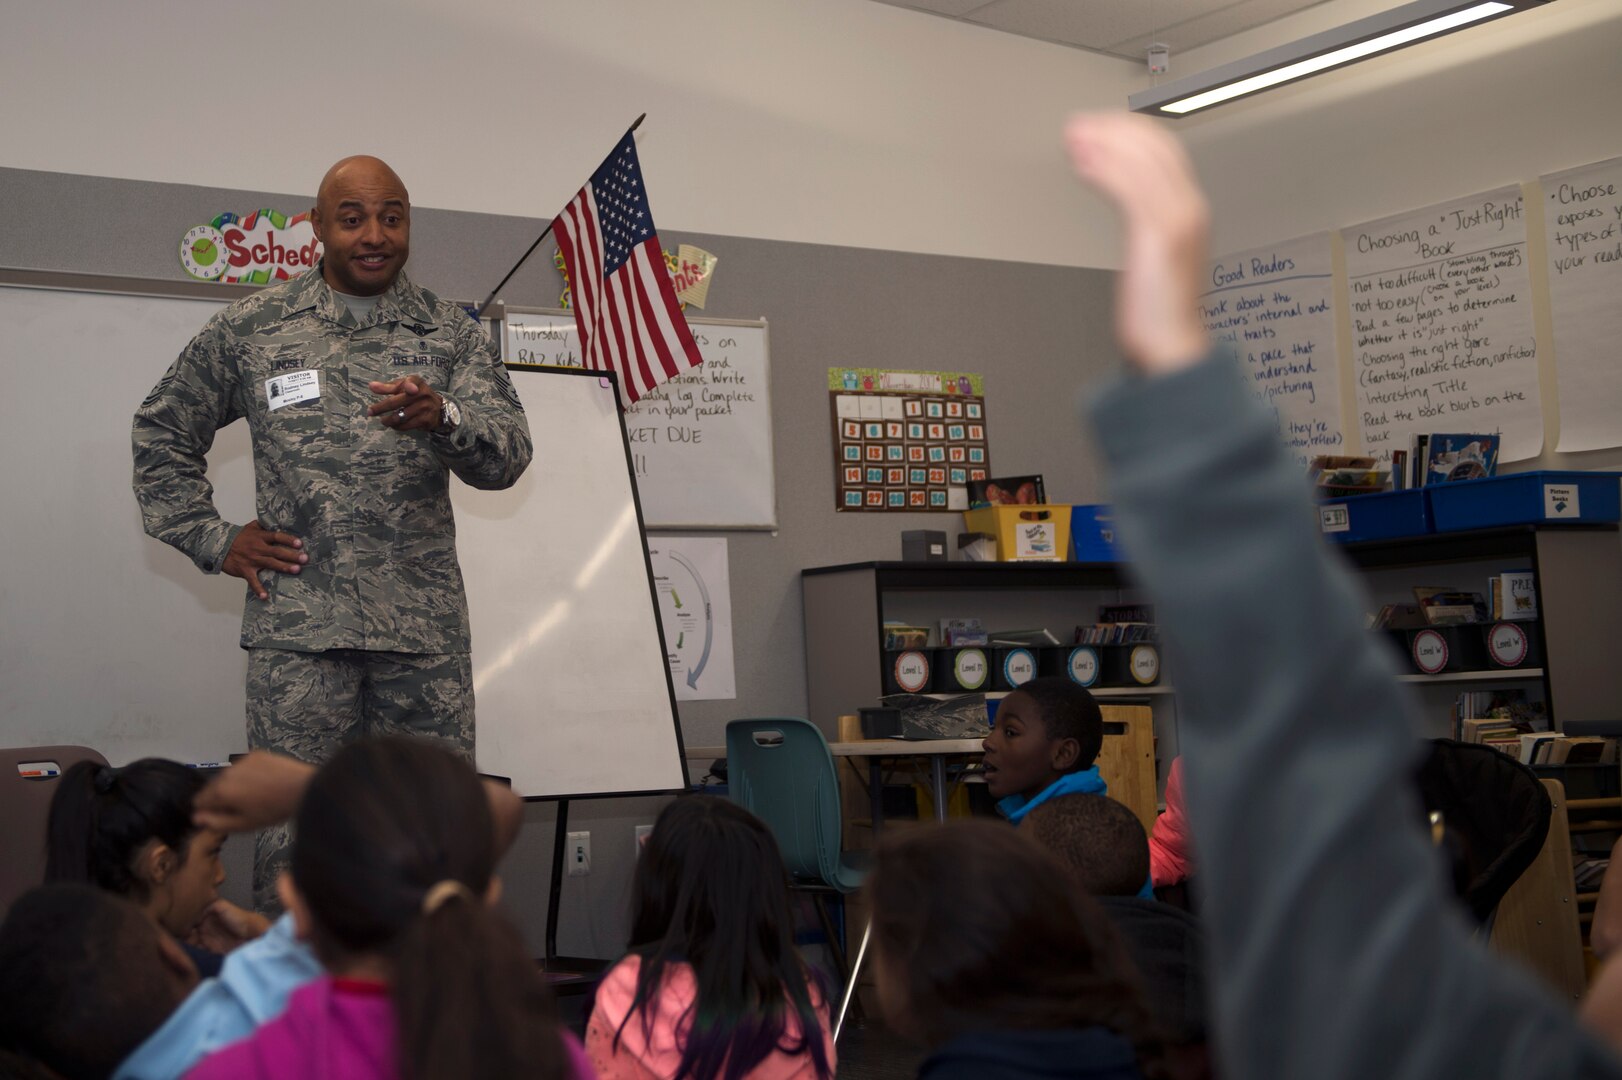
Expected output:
{"points": [[1143, 171]]}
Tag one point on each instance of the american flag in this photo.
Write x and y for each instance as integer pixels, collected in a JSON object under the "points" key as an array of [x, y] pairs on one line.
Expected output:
{"points": [[625, 306]]}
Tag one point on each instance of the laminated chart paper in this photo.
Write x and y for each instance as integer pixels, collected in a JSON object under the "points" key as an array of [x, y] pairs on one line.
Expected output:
{"points": [[1442, 335], [1582, 218], [1274, 307]]}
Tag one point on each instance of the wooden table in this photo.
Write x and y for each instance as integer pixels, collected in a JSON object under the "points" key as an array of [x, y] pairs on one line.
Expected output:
{"points": [[879, 751]]}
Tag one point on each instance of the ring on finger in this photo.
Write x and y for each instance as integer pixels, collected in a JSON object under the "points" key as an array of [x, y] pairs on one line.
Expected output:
{"points": [[400, 415]]}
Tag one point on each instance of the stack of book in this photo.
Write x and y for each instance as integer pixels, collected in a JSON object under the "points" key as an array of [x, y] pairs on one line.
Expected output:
{"points": [[1514, 595], [1449, 607], [1120, 624], [1501, 719], [1117, 634], [1546, 748], [1336, 476]]}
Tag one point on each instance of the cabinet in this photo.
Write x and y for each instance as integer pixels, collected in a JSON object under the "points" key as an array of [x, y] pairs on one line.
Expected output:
{"points": [[846, 607], [1579, 594]]}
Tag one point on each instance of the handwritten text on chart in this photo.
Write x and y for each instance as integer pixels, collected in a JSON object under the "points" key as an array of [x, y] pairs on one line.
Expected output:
{"points": [[1586, 224], [1272, 307], [1441, 326], [1582, 217], [674, 413]]}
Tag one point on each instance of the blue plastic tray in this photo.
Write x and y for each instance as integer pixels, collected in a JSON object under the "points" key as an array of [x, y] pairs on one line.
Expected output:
{"points": [[1528, 498], [1092, 534], [1383, 515]]}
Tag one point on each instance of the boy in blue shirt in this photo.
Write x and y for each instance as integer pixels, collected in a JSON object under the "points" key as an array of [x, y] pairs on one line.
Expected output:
{"points": [[1046, 737]]}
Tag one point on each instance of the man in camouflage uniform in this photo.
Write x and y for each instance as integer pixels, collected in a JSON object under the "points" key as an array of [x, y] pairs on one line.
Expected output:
{"points": [[356, 622]]}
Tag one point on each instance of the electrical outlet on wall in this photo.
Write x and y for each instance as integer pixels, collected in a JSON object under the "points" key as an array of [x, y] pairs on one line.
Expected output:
{"points": [[642, 834], [578, 854]]}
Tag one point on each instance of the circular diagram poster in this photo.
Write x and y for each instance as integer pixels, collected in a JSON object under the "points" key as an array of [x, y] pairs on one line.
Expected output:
{"points": [[695, 610]]}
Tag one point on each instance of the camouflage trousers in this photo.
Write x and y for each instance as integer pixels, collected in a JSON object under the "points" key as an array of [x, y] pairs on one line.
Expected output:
{"points": [[307, 705]]}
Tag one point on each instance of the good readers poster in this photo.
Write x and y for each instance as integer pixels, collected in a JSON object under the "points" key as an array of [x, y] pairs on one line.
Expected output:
{"points": [[907, 440], [1273, 306]]}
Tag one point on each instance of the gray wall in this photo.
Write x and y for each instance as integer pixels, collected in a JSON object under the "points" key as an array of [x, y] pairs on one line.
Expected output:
{"points": [[1037, 332]]}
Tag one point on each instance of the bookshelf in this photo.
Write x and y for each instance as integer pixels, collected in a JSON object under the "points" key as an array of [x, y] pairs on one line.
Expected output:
{"points": [[1579, 585], [847, 605], [1533, 674]]}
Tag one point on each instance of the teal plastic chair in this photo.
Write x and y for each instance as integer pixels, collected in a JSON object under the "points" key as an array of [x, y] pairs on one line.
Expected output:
{"points": [[780, 770]]}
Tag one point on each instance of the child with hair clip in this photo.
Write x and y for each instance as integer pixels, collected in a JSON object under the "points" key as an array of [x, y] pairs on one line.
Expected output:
{"points": [[987, 954], [713, 986], [130, 831], [392, 881]]}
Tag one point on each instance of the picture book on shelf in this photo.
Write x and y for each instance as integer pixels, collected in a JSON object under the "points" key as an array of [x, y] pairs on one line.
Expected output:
{"points": [[1007, 491], [1514, 595], [1460, 457]]}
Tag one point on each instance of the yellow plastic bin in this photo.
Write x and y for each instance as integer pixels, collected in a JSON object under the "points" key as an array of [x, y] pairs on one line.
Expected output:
{"points": [[1027, 533]]}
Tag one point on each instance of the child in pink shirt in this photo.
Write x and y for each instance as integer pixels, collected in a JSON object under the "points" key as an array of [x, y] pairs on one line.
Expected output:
{"points": [[1169, 857], [713, 986], [392, 882]]}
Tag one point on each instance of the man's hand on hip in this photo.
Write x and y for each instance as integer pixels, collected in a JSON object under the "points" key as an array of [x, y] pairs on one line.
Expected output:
{"points": [[257, 548], [410, 405]]}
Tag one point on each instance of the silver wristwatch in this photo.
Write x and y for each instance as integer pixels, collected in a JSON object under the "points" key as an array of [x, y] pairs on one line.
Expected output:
{"points": [[450, 415]]}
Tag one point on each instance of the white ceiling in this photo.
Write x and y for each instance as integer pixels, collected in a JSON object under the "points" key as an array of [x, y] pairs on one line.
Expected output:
{"points": [[1123, 28]]}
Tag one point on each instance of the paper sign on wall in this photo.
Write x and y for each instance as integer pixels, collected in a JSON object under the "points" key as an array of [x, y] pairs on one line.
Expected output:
{"points": [[1582, 216], [695, 610], [1274, 307], [1442, 325]]}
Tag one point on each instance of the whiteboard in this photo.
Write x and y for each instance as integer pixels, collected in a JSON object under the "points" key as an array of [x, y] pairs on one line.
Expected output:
{"points": [[701, 443], [114, 640], [570, 680]]}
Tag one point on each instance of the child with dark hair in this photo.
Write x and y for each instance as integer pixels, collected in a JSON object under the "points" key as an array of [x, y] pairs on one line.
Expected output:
{"points": [[130, 831], [1101, 840], [85, 978], [1103, 844], [1044, 742], [987, 954], [392, 881], [713, 985]]}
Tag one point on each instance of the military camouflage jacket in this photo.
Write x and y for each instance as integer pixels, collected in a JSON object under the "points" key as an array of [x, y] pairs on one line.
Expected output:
{"points": [[372, 505]]}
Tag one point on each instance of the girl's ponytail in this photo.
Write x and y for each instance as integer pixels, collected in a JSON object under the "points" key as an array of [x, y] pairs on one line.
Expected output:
{"points": [[394, 857], [72, 826], [468, 1001], [102, 817]]}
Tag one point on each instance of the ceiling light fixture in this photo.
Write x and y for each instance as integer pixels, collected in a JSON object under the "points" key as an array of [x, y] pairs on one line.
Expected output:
{"points": [[1377, 34]]}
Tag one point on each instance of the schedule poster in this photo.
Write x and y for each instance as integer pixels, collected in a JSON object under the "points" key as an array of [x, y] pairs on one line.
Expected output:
{"points": [[907, 440]]}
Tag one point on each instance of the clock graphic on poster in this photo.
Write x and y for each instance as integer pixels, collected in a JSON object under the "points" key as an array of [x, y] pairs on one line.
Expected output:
{"points": [[202, 253]]}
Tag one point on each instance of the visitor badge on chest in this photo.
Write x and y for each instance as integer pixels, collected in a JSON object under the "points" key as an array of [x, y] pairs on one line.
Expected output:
{"points": [[292, 387]]}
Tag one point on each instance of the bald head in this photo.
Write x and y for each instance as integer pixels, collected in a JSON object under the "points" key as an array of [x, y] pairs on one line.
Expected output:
{"points": [[362, 217], [362, 170]]}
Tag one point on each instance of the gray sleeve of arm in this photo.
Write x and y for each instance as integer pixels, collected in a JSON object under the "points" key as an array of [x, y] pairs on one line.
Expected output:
{"points": [[491, 447], [171, 436], [1335, 953]]}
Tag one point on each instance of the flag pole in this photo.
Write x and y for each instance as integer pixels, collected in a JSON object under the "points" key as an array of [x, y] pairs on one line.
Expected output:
{"points": [[544, 234]]}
